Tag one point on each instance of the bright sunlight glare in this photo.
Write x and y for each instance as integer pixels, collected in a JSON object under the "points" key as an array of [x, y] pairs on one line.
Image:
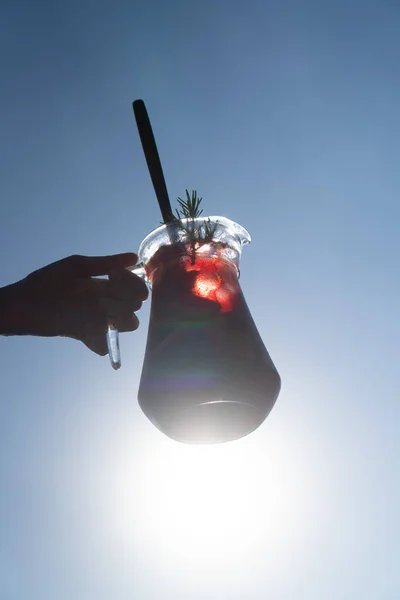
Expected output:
{"points": [[207, 503], [197, 513], [210, 507]]}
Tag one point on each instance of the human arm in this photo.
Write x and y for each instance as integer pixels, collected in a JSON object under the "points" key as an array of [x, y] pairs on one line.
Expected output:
{"points": [[66, 299]]}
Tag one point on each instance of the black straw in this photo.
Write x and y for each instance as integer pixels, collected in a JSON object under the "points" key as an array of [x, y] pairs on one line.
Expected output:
{"points": [[152, 159]]}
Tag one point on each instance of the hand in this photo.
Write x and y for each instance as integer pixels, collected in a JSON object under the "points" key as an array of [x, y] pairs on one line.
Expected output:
{"points": [[64, 299]]}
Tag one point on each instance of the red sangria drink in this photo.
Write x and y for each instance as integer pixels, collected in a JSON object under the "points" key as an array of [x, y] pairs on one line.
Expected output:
{"points": [[207, 376]]}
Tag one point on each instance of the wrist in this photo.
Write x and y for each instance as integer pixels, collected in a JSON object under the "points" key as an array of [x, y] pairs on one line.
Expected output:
{"points": [[15, 312]]}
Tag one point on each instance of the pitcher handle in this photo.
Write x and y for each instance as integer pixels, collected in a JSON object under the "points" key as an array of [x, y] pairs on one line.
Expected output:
{"points": [[112, 331]]}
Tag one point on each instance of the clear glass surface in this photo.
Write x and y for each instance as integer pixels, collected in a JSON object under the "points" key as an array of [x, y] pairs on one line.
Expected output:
{"points": [[207, 376]]}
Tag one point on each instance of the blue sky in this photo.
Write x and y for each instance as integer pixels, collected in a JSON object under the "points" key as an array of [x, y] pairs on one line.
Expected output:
{"points": [[284, 116]]}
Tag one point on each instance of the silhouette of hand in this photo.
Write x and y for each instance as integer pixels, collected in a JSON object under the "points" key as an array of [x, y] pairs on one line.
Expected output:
{"points": [[65, 299]]}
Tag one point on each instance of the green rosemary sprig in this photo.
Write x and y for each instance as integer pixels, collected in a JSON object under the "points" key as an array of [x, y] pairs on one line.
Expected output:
{"points": [[189, 210]]}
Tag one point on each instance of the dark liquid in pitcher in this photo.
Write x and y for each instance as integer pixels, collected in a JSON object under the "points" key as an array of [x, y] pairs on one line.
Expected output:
{"points": [[207, 376]]}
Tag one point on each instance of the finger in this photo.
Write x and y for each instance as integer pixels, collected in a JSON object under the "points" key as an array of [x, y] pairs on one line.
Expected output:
{"points": [[115, 310], [97, 343], [127, 286], [95, 266], [96, 335], [112, 307], [95, 332], [127, 323]]}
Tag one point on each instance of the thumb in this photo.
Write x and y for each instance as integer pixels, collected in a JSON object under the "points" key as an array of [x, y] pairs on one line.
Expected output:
{"points": [[94, 266]]}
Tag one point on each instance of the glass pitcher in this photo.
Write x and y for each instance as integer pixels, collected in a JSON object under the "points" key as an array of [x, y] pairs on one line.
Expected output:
{"points": [[207, 376]]}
